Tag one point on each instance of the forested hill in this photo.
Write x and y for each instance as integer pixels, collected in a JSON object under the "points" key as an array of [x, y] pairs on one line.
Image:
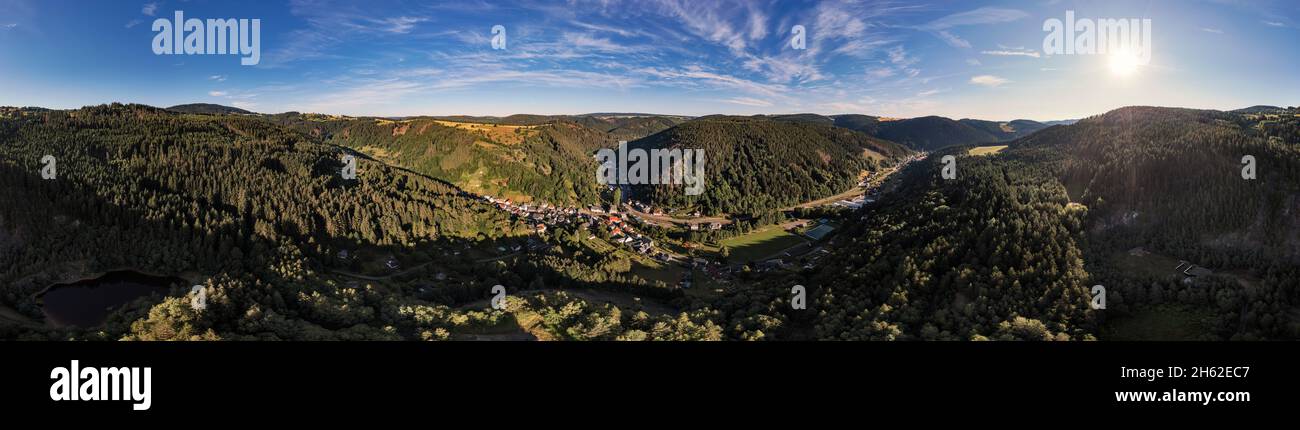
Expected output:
{"points": [[756, 164], [625, 126], [1010, 248], [994, 254], [207, 108], [239, 179], [1178, 173], [281, 244], [549, 162], [934, 132], [1005, 130]]}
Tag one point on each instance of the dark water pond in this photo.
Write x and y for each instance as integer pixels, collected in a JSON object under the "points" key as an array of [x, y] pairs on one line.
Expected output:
{"points": [[87, 303]]}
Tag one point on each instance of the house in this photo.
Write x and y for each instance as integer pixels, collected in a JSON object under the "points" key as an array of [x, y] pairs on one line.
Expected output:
{"points": [[541, 228], [715, 226], [392, 263]]}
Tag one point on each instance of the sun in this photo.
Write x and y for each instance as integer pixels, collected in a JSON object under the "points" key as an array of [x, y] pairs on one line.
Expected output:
{"points": [[1123, 63]]}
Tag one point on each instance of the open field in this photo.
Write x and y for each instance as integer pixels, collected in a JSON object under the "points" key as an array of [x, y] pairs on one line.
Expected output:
{"points": [[506, 134], [986, 150], [760, 243]]}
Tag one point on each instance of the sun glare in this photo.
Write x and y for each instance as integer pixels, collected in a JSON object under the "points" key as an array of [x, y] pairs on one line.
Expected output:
{"points": [[1123, 63]]}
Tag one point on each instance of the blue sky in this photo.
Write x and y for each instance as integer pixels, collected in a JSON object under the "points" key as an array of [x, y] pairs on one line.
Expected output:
{"points": [[962, 59]]}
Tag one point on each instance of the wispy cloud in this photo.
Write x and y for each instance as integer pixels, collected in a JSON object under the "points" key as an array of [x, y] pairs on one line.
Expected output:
{"points": [[988, 81], [986, 15], [1274, 23], [401, 24], [217, 93], [1211, 30], [1012, 53], [149, 9], [218, 78], [749, 101]]}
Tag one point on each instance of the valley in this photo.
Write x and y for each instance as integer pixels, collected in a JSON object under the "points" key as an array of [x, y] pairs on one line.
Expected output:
{"points": [[445, 208]]}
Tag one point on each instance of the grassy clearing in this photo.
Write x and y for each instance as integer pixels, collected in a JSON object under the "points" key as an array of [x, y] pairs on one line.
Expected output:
{"points": [[760, 243], [1164, 322], [986, 150], [1146, 264]]}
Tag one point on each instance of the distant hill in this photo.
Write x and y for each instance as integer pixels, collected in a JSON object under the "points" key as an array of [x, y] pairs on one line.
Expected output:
{"points": [[1005, 130], [757, 164], [550, 161], [207, 108], [925, 133], [1114, 200], [863, 123], [1261, 109], [1060, 122], [933, 132], [803, 117]]}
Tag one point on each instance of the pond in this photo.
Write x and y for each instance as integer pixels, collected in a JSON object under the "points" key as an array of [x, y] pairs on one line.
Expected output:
{"points": [[87, 303]]}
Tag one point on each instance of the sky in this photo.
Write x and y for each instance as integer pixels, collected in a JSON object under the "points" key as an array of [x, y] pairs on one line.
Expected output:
{"points": [[960, 59]]}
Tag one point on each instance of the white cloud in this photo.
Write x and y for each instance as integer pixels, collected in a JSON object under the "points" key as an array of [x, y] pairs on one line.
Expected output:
{"points": [[981, 16], [749, 101], [881, 73], [697, 74], [952, 39], [604, 28], [149, 9], [586, 41], [1274, 24], [973, 62], [929, 92], [401, 24], [1211, 30], [984, 15], [218, 78], [217, 93], [757, 22], [1011, 53], [988, 81], [10, 26]]}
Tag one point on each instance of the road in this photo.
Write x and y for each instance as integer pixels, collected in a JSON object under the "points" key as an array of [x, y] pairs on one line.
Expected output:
{"points": [[856, 191]]}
